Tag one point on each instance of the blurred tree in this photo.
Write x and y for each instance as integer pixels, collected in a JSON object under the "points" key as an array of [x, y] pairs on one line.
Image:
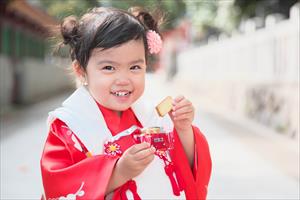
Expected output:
{"points": [[207, 16], [215, 17], [262, 8], [61, 9], [172, 10]]}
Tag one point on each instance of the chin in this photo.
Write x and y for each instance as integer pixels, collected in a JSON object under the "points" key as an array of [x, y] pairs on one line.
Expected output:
{"points": [[122, 108]]}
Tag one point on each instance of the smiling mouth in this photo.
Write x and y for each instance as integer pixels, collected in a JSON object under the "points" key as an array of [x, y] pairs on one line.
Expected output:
{"points": [[121, 94]]}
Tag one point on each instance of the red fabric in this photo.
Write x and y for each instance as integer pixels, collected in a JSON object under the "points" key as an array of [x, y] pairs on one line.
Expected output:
{"points": [[116, 123], [120, 193], [64, 167], [193, 182], [169, 170]]}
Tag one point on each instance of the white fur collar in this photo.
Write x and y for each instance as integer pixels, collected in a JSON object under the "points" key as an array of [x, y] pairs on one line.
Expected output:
{"points": [[82, 115]]}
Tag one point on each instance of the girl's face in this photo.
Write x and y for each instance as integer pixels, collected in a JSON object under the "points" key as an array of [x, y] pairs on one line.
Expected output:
{"points": [[116, 76]]}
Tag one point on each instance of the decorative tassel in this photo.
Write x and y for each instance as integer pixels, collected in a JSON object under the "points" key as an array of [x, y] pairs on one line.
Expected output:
{"points": [[123, 194], [130, 185], [169, 169], [179, 181]]}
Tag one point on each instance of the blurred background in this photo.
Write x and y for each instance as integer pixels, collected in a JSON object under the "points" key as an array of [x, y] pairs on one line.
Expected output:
{"points": [[237, 61]]}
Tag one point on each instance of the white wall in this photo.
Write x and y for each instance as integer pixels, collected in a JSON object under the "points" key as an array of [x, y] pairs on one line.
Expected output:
{"points": [[238, 74], [40, 80], [37, 79]]}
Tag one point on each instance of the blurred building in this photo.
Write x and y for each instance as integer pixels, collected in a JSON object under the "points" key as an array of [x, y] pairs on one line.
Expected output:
{"points": [[24, 30]]}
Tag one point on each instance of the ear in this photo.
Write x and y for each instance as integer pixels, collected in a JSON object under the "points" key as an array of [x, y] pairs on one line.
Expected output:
{"points": [[78, 70]]}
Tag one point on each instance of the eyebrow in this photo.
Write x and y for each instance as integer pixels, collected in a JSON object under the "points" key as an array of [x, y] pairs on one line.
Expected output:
{"points": [[116, 63]]}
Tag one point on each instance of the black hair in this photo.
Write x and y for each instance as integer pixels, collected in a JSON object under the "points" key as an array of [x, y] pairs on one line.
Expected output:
{"points": [[105, 28]]}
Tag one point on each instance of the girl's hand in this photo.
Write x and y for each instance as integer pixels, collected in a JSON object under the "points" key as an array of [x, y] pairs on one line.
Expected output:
{"points": [[182, 114], [135, 159]]}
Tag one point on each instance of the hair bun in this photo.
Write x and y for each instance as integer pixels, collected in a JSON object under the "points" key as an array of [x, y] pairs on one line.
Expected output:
{"points": [[145, 17], [69, 30]]}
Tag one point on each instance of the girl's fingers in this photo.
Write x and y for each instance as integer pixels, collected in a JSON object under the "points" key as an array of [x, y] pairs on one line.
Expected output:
{"points": [[147, 160], [184, 116], [178, 99], [143, 154], [183, 110], [182, 103], [138, 147]]}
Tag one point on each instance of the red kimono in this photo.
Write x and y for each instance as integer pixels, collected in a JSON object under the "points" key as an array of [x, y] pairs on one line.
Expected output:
{"points": [[70, 172]]}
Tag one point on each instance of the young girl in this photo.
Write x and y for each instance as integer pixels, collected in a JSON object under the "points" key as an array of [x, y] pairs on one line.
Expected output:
{"points": [[90, 152]]}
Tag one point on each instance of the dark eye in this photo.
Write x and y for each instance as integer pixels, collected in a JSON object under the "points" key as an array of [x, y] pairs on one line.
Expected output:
{"points": [[135, 67], [108, 68]]}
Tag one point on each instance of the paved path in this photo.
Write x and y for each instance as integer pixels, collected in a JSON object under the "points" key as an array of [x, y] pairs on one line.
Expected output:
{"points": [[23, 133]]}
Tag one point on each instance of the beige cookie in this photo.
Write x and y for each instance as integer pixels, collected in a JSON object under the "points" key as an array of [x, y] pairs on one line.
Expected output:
{"points": [[164, 107]]}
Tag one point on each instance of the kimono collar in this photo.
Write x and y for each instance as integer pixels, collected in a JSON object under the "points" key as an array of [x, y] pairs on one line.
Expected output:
{"points": [[81, 114], [117, 123]]}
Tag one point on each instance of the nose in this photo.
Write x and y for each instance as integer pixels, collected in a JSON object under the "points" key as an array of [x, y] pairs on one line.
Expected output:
{"points": [[122, 80]]}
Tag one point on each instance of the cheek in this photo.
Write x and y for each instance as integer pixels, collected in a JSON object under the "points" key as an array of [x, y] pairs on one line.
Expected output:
{"points": [[96, 77], [99, 84], [140, 84]]}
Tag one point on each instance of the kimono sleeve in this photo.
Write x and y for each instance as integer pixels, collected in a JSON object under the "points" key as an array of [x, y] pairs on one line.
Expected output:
{"points": [[202, 163], [193, 180], [68, 174]]}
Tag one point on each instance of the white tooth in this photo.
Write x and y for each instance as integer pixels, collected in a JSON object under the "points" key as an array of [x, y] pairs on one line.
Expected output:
{"points": [[121, 93]]}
